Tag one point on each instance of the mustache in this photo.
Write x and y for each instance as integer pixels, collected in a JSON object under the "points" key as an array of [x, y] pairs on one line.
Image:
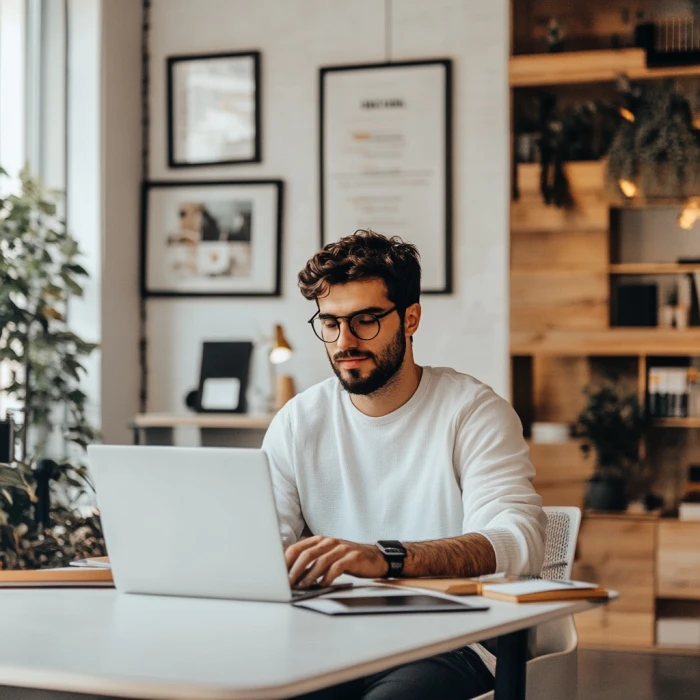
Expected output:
{"points": [[352, 355]]}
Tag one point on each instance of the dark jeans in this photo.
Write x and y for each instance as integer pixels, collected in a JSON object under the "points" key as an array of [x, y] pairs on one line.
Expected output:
{"points": [[455, 675]]}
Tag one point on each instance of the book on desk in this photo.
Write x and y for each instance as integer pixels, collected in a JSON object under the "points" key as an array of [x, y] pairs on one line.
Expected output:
{"points": [[68, 577], [511, 589]]}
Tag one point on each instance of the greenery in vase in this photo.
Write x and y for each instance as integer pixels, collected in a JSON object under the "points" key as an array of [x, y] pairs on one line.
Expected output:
{"points": [[613, 425], [40, 272]]}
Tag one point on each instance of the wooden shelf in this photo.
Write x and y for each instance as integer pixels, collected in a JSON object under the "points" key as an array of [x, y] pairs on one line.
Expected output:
{"points": [[201, 420], [587, 67], [677, 422], [652, 268], [614, 341]]}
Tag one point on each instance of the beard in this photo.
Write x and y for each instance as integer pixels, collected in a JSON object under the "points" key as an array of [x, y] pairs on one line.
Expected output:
{"points": [[387, 364]]}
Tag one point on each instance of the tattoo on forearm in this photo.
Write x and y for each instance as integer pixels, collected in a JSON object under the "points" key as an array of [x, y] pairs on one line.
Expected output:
{"points": [[467, 555]]}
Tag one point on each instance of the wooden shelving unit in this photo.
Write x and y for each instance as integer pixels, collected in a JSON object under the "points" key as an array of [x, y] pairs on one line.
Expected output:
{"points": [[535, 70], [677, 422], [607, 343], [652, 268]]}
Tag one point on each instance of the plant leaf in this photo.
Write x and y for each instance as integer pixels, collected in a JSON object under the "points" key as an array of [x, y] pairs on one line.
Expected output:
{"points": [[9, 476]]}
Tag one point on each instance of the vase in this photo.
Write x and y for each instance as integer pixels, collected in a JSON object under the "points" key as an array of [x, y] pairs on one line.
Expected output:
{"points": [[606, 494]]}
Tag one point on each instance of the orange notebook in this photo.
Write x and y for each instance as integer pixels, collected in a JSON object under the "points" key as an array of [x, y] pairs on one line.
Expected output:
{"points": [[540, 591], [69, 577]]}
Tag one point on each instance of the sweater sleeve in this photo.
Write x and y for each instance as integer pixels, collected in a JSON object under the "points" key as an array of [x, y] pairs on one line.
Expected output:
{"points": [[279, 448], [498, 495]]}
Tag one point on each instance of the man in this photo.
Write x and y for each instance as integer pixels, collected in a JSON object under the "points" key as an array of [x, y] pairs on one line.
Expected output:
{"points": [[388, 450]]}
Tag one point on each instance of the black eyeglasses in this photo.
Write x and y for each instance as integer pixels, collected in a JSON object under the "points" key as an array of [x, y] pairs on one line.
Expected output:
{"points": [[362, 325]]}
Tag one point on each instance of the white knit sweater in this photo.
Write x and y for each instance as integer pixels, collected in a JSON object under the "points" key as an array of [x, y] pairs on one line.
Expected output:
{"points": [[451, 460]]}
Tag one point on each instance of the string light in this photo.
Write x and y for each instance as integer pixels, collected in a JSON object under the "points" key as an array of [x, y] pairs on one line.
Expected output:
{"points": [[629, 189], [689, 214]]}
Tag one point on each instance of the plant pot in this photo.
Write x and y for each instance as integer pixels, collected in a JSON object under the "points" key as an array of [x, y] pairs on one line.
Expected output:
{"points": [[606, 493]]}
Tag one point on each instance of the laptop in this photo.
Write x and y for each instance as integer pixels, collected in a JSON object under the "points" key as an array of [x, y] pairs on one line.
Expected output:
{"points": [[189, 521]]}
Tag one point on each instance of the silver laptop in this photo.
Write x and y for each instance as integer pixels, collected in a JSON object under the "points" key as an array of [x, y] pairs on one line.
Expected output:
{"points": [[191, 522]]}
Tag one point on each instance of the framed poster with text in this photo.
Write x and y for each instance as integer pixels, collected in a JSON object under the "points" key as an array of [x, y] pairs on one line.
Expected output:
{"points": [[386, 158]]}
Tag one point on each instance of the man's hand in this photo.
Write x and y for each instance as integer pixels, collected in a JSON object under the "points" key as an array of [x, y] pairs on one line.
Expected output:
{"points": [[328, 557]]}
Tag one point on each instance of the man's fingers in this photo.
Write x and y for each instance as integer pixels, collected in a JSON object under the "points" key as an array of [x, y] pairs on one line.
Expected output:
{"points": [[343, 565], [307, 558], [294, 550]]}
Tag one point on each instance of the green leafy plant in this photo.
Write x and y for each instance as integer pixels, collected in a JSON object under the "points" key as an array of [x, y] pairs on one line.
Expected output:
{"points": [[613, 425], [40, 272]]}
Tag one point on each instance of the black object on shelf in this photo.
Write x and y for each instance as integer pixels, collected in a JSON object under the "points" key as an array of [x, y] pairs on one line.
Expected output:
{"points": [[675, 42], [223, 377], [6, 442], [637, 305]]}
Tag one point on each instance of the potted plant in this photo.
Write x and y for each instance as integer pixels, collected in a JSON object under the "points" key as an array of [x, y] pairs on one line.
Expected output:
{"points": [[41, 521], [612, 425]]}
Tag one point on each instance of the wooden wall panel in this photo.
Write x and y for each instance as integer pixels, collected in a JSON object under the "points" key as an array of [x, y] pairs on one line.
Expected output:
{"points": [[553, 250], [590, 213], [559, 300], [561, 472], [678, 560], [618, 553], [558, 384]]}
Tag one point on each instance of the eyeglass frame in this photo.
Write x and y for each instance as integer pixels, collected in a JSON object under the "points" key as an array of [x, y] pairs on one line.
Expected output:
{"points": [[348, 320]]}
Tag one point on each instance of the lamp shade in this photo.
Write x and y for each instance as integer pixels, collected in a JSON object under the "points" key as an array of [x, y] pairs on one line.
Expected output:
{"points": [[281, 349]]}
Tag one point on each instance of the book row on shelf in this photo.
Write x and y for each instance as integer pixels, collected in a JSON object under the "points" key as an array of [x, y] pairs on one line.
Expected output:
{"points": [[674, 392]]}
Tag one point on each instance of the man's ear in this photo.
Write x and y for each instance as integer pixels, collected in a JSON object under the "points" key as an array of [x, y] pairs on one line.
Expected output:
{"points": [[412, 319]]}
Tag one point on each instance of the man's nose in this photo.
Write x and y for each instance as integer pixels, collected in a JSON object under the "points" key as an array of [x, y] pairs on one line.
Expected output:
{"points": [[346, 339]]}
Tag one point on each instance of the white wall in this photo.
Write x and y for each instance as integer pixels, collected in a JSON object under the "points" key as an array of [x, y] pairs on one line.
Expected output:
{"points": [[467, 330], [104, 172]]}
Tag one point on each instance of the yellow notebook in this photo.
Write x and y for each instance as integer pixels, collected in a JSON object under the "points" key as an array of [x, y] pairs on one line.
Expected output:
{"points": [[69, 577]]}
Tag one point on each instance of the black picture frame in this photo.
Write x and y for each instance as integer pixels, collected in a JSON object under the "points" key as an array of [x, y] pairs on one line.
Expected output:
{"points": [[271, 238], [172, 63], [326, 73], [225, 360]]}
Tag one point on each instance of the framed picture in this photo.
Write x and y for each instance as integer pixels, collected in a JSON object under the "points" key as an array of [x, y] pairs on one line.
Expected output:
{"points": [[211, 238], [213, 109], [386, 158]]}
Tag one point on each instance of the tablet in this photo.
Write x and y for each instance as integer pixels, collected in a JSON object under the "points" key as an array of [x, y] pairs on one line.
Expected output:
{"points": [[408, 603]]}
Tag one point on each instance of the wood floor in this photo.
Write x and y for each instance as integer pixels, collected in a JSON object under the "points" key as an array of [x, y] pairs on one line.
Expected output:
{"points": [[634, 676]]}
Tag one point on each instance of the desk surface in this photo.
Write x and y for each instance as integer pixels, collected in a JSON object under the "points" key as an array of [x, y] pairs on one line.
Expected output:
{"points": [[201, 420], [103, 642]]}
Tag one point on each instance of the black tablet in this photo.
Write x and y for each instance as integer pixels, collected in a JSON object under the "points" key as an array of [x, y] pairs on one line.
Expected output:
{"points": [[404, 603]]}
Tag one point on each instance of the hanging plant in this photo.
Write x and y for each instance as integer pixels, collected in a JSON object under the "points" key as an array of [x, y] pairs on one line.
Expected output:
{"points": [[656, 150]]}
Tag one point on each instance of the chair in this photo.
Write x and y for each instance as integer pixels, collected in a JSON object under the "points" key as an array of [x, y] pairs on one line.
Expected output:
{"points": [[552, 672]]}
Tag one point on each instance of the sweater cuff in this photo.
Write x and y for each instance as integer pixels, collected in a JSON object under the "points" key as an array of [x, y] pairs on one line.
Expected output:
{"points": [[504, 545]]}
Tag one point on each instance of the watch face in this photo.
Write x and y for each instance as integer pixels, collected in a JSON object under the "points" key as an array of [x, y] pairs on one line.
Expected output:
{"points": [[393, 550]]}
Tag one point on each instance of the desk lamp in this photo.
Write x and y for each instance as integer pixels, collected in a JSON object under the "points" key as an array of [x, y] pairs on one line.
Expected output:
{"points": [[283, 384]]}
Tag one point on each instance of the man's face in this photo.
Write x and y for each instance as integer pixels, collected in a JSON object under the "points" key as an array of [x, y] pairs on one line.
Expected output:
{"points": [[364, 366]]}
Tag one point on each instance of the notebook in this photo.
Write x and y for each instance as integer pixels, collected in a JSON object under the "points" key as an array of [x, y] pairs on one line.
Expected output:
{"points": [[68, 577], [539, 590], [452, 586]]}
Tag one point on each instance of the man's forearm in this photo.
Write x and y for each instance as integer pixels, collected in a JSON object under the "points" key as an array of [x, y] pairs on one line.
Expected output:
{"points": [[468, 555]]}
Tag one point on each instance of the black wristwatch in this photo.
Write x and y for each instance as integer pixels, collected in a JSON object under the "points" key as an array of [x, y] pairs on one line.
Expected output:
{"points": [[395, 554]]}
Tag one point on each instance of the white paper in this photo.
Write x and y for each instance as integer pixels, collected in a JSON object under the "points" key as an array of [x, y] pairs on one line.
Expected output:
{"points": [[537, 586], [221, 394]]}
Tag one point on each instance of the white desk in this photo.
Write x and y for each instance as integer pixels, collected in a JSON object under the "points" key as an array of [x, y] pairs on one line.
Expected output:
{"points": [[101, 642]]}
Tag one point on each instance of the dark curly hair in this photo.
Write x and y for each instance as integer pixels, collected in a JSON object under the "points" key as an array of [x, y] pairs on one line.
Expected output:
{"points": [[362, 256]]}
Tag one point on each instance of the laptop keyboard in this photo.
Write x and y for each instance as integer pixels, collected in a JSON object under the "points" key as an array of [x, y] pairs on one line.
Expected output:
{"points": [[313, 591]]}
